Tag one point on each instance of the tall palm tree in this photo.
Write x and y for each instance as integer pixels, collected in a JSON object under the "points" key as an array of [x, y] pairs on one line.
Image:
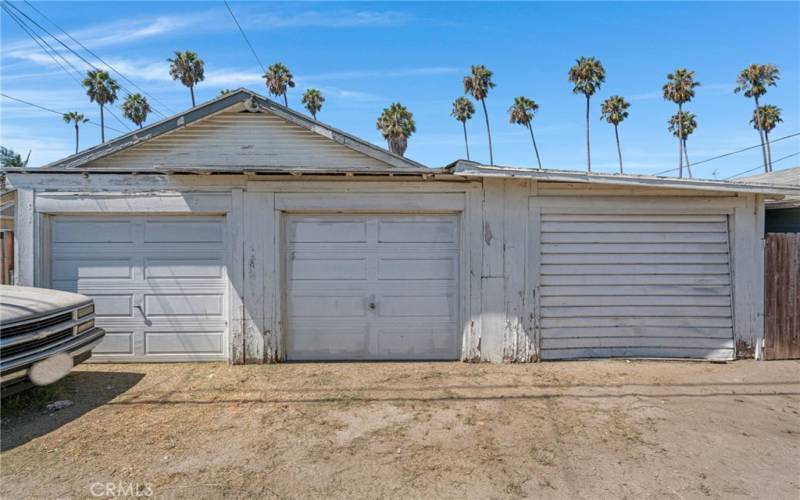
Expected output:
{"points": [[765, 119], [521, 113], [396, 123], [753, 82], [587, 75], [102, 89], [682, 124], [279, 80], [312, 100], [187, 67], [463, 111], [477, 84], [77, 119], [135, 108], [614, 110], [680, 90]]}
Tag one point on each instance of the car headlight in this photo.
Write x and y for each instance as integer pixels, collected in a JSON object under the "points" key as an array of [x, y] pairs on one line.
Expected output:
{"points": [[87, 325], [86, 310]]}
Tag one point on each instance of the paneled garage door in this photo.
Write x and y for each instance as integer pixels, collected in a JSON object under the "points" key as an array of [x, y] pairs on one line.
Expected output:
{"points": [[372, 287], [158, 283], [634, 286]]}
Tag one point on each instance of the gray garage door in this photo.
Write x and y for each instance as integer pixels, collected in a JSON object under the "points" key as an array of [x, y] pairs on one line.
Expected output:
{"points": [[635, 285], [372, 287], [158, 283]]}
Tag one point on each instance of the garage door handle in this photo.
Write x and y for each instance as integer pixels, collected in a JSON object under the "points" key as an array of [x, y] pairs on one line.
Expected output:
{"points": [[141, 310], [372, 305]]}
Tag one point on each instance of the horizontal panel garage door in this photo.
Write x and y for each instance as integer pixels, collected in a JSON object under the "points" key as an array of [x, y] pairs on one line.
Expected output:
{"points": [[158, 283], [634, 286], [372, 287]]}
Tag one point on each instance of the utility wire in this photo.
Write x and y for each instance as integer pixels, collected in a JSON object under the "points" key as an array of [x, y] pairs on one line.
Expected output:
{"points": [[35, 35], [54, 111], [732, 153], [247, 40], [102, 60], [762, 166]]}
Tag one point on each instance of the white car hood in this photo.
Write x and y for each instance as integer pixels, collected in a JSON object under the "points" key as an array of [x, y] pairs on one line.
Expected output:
{"points": [[18, 303]]}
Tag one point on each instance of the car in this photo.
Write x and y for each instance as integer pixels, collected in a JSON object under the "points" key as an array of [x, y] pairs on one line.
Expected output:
{"points": [[43, 334]]}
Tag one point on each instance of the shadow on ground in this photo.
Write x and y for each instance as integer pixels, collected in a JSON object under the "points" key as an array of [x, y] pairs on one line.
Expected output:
{"points": [[24, 416]]}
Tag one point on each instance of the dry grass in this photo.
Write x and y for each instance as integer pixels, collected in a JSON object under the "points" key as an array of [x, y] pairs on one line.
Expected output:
{"points": [[415, 430]]}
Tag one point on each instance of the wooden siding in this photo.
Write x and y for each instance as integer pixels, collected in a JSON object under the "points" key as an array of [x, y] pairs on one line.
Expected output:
{"points": [[235, 138], [782, 259]]}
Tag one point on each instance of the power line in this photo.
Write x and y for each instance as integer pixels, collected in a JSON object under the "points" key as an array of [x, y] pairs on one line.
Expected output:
{"points": [[732, 153], [54, 111], [762, 166], [102, 60], [55, 55], [247, 40]]}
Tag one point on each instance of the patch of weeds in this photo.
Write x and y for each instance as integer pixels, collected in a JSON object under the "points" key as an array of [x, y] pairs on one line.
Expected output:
{"points": [[543, 456]]}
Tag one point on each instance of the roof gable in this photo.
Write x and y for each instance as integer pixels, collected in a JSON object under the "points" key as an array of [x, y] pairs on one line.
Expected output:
{"points": [[240, 131]]}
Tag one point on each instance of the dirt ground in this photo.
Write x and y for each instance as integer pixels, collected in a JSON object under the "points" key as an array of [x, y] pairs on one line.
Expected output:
{"points": [[411, 430]]}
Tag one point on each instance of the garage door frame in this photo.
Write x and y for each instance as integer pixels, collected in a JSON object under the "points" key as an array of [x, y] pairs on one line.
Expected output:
{"points": [[171, 204], [538, 205], [379, 199]]}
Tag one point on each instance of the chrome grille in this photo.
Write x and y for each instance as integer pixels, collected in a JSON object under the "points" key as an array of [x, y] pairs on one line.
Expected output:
{"points": [[35, 325]]}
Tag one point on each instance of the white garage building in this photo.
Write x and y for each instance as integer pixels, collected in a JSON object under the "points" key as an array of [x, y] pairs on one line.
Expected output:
{"points": [[242, 230]]}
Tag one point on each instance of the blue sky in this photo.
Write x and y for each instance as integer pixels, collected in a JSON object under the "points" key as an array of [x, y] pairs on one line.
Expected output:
{"points": [[363, 56]]}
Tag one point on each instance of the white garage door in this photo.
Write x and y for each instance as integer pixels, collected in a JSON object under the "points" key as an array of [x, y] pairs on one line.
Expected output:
{"points": [[158, 283], [372, 287], [635, 286]]}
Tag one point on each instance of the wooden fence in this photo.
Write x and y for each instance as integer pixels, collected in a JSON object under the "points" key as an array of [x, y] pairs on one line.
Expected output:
{"points": [[782, 280]]}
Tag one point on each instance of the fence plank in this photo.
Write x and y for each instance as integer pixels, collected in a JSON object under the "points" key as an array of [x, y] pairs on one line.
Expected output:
{"points": [[782, 305]]}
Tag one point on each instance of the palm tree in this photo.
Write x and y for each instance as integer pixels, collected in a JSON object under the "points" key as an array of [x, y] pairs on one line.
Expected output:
{"points": [[614, 110], [765, 119], [312, 100], [680, 90], [77, 119], [463, 111], [682, 124], [188, 68], [102, 89], [477, 84], [279, 80], [396, 124], [521, 113], [135, 108], [587, 75], [753, 82]]}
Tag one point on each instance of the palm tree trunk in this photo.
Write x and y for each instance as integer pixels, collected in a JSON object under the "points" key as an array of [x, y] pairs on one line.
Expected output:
{"points": [[769, 150], [588, 150], [285, 100], [680, 140], [191, 91], [76, 138], [102, 126], [686, 155], [535, 149], [767, 166], [488, 132], [619, 150], [466, 143]]}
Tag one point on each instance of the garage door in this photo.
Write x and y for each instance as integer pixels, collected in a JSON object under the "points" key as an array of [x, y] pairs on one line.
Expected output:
{"points": [[634, 285], [372, 287], [158, 283]]}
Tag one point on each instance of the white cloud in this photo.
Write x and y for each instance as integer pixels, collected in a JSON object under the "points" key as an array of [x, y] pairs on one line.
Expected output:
{"points": [[343, 18]]}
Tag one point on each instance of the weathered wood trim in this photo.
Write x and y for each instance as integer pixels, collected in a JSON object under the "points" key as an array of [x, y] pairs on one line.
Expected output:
{"points": [[747, 266], [639, 204], [532, 277], [377, 203], [25, 239], [378, 185], [234, 238], [517, 342], [125, 182], [472, 252], [493, 290], [128, 203]]}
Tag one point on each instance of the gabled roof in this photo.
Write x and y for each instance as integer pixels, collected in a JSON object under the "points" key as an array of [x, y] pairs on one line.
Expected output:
{"points": [[467, 168], [249, 101], [786, 177]]}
